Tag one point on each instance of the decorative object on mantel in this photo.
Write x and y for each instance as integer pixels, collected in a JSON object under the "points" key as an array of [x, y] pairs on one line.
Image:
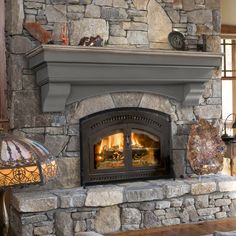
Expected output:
{"points": [[22, 162], [205, 149], [176, 40], [38, 32], [64, 36], [225, 137], [91, 41]]}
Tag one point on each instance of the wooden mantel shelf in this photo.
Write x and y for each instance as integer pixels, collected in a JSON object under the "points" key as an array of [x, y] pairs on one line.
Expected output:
{"points": [[69, 73]]}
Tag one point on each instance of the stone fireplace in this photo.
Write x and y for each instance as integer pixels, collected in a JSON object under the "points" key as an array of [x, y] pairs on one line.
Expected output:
{"points": [[59, 95], [55, 86], [103, 79]]}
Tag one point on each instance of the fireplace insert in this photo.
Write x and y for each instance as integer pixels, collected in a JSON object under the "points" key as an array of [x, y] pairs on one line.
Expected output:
{"points": [[125, 144]]}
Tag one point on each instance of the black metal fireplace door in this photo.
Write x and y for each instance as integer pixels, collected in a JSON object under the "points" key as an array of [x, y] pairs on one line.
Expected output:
{"points": [[125, 144]]}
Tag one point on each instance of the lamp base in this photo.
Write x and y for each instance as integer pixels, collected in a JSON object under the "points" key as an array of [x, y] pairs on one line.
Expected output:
{"points": [[4, 220]]}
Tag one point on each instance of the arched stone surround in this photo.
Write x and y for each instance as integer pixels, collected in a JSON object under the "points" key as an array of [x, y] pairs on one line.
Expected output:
{"points": [[75, 111]]}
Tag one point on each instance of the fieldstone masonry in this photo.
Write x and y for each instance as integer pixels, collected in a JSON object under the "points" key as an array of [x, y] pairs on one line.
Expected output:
{"points": [[121, 24], [122, 207]]}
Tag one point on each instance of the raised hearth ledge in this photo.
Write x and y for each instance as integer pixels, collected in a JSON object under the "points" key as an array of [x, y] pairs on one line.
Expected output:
{"points": [[101, 195], [69, 73], [160, 202]]}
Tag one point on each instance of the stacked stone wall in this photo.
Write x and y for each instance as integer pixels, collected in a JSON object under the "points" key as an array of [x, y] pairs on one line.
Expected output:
{"points": [[122, 207]]}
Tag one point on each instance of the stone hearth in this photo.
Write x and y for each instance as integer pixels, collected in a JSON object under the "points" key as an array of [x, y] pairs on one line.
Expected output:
{"points": [[124, 206]]}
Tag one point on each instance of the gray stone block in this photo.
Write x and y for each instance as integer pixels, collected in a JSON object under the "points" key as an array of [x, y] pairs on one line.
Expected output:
{"points": [[202, 201], [103, 2], [20, 45], [117, 30], [222, 202], [43, 230], [200, 16], [85, 2], [88, 234], [173, 221], [68, 173], [162, 204], [80, 226], [220, 215], [92, 11], [203, 188], [150, 220], [176, 202], [140, 5], [83, 215], [177, 189], [146, 193], [208, 211], [34, 202], [227, 186], [63, 224], [56, 143], [25, 220], [137, 37], [104, 196], [108, 220], [147, 206], [130, 216], [56, 13], [69, 199]]}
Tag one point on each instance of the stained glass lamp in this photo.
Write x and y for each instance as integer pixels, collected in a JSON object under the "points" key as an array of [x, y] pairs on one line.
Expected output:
{"points": [[22, 162]]}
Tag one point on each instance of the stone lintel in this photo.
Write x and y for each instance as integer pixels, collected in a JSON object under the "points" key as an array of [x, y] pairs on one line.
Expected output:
{"points": [[70, 73]]}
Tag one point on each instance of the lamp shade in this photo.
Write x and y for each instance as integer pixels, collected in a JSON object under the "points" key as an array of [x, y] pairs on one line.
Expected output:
{"points": [[24, 161]]}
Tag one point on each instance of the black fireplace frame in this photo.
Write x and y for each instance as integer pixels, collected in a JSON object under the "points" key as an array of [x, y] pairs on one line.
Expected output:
{"points": [[98, 125]]}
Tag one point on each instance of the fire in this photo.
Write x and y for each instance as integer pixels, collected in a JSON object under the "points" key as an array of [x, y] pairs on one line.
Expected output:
{"points": [[113, 141], [134, 140], [116, 141]]}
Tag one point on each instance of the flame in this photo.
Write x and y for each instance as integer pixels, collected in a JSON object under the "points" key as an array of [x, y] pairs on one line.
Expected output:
{"points": [[116, 141], [64, 35], [134, 140], [113, 141]]}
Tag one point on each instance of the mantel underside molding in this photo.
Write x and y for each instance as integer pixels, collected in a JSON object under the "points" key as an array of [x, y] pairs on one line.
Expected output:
{"points": [[68, 73]]}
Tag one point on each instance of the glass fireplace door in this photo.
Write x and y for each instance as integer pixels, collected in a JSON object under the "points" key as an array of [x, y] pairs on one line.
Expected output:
{"points": [[109, 152], [145, 149], [131, 148]]}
